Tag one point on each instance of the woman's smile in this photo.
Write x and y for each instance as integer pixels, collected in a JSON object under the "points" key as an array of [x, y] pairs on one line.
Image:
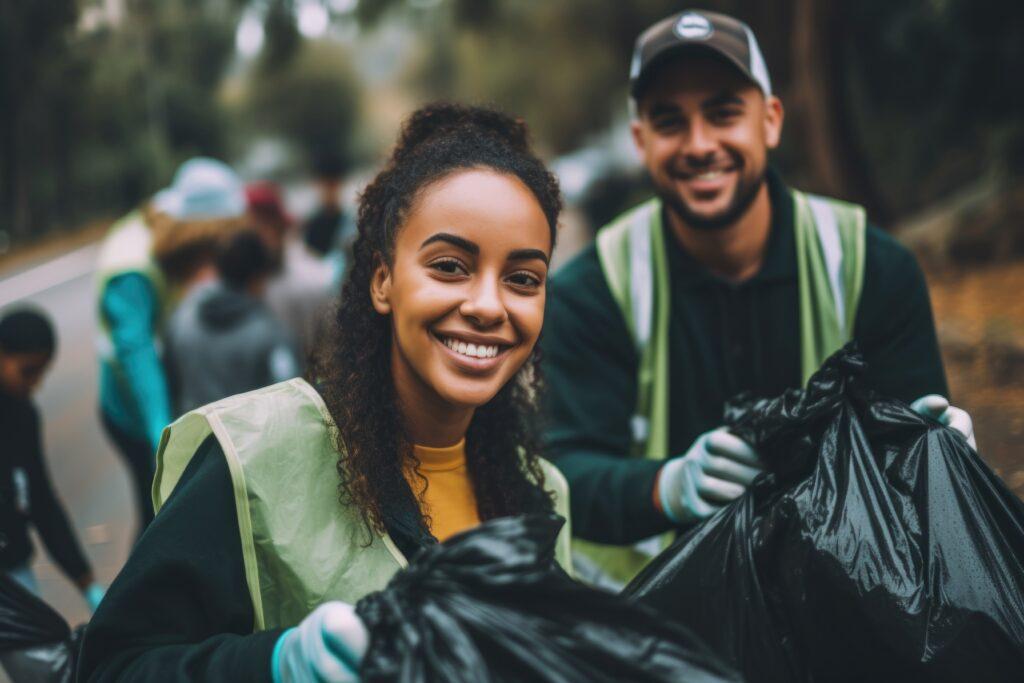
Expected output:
{"points": [[472, 353]]}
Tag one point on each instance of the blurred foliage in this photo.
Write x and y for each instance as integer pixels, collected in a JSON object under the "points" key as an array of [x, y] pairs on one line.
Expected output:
{"points": [[96, 119], [310, 100], [893, 104]]}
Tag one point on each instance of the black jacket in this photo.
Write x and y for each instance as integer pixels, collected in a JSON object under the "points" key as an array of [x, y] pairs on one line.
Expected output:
{"points": [[723, 339], [180, 609], [27, 497]]}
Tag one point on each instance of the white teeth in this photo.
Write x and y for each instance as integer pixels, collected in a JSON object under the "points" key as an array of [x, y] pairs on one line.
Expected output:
{"points": [[471, 350], [710, 175]]}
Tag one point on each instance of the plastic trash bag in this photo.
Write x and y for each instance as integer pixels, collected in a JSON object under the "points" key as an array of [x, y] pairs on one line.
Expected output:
{"points": [[879, 547], [491, 605], [36, 645]]}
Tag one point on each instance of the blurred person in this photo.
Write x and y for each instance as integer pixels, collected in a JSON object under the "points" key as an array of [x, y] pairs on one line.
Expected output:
{"points": [[727, 281], [222, 339], [301, 289], [27, 347], [285, 506], [148, 259], [321, 229], [270, 219]]}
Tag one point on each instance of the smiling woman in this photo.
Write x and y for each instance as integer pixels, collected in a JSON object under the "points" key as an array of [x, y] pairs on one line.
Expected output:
{"points": [[420, 423], [455, 236]]}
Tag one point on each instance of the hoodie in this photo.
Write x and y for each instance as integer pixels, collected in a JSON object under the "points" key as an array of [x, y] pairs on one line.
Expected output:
{"points": [[221, 342]]}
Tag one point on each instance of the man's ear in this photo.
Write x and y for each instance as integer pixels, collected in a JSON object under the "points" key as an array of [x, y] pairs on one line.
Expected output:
{"points": [[380, 287], [773, 116], [636, 128]]}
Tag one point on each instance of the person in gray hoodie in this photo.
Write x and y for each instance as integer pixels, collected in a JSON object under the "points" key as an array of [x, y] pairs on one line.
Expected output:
{"points": [[223, 339]]}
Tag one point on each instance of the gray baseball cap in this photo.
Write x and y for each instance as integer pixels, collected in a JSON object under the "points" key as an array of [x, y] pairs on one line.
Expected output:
{"points": [[698, 30]]}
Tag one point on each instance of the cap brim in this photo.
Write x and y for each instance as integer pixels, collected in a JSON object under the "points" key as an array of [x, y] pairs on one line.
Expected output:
{"points": [[658, 60]]}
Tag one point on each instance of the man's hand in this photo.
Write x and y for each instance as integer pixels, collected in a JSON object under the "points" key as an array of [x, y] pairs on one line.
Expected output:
{"points": [[716, 470], [938, 408], [326, 647]]}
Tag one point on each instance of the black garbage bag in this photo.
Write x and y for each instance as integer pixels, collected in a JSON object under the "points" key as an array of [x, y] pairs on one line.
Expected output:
{"points": [[491, 605], [878, 547], [36, 645]]}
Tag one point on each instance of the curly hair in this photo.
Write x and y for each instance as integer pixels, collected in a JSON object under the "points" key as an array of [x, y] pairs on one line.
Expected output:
{"points": [[354, 372]]}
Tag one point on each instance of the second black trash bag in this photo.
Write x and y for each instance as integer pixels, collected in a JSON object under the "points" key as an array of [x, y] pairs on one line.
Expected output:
{"points": [[490, 605], [878, 548], [36, 645]]}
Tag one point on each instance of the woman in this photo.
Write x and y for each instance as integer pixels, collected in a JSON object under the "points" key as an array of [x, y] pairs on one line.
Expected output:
{"points": [[430, 385]]}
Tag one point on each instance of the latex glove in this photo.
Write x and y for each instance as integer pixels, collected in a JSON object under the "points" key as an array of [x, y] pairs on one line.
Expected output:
{"points": [[326, 647], [938, 408], [93, 595], [716, 470]]}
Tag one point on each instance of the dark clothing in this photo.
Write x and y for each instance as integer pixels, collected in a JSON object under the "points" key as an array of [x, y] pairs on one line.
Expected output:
{"points": [[320, 231], [138, 456], [27, 496], [724, 338], [221, 342], [180, 609]]}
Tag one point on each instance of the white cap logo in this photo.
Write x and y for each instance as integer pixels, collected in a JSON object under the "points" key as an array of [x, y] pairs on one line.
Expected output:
{"points": [[693, 26]]}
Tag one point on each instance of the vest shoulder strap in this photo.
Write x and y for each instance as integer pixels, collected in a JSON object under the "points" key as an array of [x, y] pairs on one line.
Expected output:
{"points": [[830, 243], [624, 249]]}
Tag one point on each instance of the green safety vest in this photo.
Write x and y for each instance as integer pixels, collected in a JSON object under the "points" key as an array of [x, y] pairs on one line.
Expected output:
{"points": [[300, 546], [830, 238]]}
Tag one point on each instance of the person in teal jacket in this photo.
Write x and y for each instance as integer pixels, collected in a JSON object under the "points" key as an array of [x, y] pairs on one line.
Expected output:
{"points": [[727, 281], [147, 258]]}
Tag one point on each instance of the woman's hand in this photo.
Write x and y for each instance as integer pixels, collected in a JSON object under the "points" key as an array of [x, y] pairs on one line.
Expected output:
{"points": [[326, 647]]}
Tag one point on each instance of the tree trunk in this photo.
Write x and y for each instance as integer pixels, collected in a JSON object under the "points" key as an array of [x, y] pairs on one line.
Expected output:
{"points": [[819, 98]]}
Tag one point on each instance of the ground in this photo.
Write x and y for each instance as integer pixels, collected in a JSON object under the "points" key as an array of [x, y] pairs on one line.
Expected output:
{"points": [[980, 314]]}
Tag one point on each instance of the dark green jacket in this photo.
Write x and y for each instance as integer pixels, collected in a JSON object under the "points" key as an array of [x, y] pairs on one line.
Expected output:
{"points": [[724, 339]]}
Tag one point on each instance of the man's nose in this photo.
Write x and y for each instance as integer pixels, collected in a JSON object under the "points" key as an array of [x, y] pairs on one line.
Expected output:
{"points": [[700, 144]]}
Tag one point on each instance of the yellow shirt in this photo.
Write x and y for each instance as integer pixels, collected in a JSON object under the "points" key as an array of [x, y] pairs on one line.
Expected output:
{"points": [[447, 496]]}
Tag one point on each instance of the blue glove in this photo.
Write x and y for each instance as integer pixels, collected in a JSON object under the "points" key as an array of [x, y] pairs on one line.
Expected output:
{"points": [[93, 595], [716, 470], [938, 408], [326, 647]]}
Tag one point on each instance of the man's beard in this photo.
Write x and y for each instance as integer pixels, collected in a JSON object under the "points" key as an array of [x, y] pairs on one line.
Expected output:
{"points": [[742, 198]]}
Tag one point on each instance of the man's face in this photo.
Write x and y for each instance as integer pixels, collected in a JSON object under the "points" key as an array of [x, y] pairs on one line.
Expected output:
{"points": [[704, 132]]}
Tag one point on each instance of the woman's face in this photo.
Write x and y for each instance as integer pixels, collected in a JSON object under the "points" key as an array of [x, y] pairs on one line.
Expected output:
{"points": [[466, 288]]}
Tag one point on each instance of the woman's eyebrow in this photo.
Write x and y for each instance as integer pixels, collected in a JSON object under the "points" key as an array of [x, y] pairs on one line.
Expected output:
{"points": [[459, 242], [526, 254]]}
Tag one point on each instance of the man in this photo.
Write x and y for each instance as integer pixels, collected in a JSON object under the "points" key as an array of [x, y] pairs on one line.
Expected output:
{"points": [[148, 259], [303, 284], [727, 281]]}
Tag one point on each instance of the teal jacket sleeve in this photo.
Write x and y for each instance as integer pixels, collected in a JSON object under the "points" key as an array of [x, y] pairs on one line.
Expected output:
{"points": [[131, 307]]}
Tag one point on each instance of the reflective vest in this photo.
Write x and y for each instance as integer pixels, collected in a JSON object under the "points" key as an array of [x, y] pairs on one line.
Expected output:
{"points": [[829, 237], [300, 545]]}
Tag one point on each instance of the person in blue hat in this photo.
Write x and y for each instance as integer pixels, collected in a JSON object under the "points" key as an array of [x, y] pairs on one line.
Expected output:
{"points": [[147, 260]]}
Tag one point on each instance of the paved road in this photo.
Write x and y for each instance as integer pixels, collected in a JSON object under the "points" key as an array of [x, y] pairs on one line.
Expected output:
{"points": [[86, 472]]}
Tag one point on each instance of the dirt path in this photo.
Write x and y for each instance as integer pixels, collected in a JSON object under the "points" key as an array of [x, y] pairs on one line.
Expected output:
{"points": [[980, 315]]}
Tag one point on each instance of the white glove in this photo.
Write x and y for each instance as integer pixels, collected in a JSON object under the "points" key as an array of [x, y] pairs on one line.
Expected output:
{"points": [[938, 408], [326, 647], [716, 470]]}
